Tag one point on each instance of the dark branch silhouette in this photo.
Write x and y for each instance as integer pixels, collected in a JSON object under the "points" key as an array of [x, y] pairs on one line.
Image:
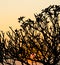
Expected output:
{"points": [[37, 41]]}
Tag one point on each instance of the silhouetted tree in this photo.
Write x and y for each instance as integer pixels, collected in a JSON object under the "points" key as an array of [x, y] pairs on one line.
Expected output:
{"points": [[42, 36], [21, 18], [37, 40], [15, 48]]}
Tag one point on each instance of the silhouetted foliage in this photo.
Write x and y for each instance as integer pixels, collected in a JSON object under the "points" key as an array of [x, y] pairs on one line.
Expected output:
{"points": [[42, 37], [37, 40]]}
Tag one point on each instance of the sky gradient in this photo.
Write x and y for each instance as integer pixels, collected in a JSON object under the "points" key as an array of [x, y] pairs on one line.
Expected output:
{"points": [[10, 10]]}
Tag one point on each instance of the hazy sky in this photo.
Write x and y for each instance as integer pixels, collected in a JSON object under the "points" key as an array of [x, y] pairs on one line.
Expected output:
{"points": [[10, 10]]}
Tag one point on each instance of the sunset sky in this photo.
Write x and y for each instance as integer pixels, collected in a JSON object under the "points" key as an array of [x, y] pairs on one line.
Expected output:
{"points": [[10, 10]]}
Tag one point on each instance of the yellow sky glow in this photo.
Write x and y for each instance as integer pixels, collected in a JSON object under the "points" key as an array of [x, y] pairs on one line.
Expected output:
{"points": [[10, 10]]}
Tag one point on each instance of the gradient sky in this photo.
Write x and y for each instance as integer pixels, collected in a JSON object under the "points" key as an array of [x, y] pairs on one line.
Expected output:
{"points": [[10, 10]]}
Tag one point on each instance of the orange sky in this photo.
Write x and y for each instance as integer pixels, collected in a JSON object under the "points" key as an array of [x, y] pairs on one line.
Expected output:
{"points": [[10, 10]]}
